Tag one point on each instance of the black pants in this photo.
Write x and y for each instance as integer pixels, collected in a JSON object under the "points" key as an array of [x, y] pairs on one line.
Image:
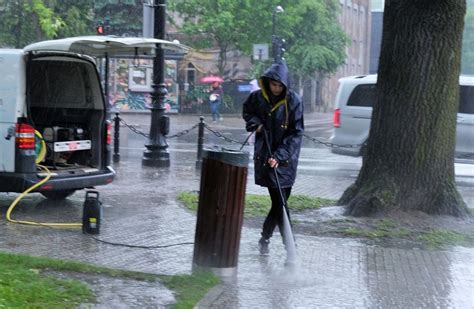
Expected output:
{"points": [[275, 216]]}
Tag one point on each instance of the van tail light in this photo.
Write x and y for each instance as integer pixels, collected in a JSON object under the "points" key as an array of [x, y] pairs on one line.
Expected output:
{"points": [[25, 136], [109, 132], [336, 118]]}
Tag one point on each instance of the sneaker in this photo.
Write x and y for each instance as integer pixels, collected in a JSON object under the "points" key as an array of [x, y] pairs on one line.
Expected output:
{"points": [[263, 246]]}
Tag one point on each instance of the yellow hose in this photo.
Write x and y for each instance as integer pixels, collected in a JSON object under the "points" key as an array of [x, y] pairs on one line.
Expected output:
{"points": [[42, 153], [22, 195]]}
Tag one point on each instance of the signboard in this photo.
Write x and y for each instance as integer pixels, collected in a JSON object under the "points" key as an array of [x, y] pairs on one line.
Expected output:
{"points": [[260, 51]]}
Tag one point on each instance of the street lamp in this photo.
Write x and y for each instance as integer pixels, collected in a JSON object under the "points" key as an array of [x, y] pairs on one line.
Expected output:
{"points": [[156, 153], [277, 42]]}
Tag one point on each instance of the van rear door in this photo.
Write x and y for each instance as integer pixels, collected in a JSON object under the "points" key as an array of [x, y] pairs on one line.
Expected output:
{"points": [[100, 46], [12, 91]]}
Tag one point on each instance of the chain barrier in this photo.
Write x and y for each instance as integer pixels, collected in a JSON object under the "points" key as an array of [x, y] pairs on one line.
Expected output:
{"points": [[137, 131], [314, 140], [331, 145], [184, 132], [133, 129], [227, 139], [231, 140]]}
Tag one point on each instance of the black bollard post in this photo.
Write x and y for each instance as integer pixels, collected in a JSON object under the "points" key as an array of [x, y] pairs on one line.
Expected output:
{"points": [[116, 156], [200, 142]]}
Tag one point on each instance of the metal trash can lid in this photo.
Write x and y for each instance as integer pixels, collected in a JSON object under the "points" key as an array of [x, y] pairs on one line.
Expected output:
{"points": [[228, 156]]}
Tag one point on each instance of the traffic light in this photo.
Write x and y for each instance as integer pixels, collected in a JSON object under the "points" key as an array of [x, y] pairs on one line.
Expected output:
{"points": [[100, 29]]}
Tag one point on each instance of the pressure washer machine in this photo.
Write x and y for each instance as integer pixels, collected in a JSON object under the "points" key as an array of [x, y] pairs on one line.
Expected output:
{"points": [[92, 214]]}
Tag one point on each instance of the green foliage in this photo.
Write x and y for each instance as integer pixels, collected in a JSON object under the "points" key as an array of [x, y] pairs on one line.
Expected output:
{"points": [[431, 238], [190, 289], [383, 229], [23, 22], [259, 205], [23, 286], [125, 17], [212, 23], [437, 238], [315, 41]]}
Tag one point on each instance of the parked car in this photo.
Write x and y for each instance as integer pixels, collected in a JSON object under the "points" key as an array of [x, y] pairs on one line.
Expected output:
{"points": [[353, 112], [53, 113]]}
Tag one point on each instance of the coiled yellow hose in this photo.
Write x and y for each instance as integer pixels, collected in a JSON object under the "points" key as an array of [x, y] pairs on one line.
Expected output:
{"points": [[39, 158]]}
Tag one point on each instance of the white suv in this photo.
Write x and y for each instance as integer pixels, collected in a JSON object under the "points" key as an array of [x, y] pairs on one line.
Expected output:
{"points": [[353, 111]]}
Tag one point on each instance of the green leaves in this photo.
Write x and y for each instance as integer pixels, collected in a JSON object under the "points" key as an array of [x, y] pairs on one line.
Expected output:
{"points": [[25, 22], [315, 41], [49, 23]]}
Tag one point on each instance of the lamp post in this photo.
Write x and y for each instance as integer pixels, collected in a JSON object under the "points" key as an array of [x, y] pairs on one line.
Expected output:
{"points": [[156, 153], [277, 42]]}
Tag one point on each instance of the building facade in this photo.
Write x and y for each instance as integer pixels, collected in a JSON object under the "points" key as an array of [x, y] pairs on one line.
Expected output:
{"points": [[355, 19]]}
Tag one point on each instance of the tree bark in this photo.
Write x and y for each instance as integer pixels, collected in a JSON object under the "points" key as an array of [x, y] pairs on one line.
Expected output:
{"points": [[409, 162]]}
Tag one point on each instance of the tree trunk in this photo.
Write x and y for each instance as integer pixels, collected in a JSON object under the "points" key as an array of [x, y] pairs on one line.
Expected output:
{"points": [[409, 162]]}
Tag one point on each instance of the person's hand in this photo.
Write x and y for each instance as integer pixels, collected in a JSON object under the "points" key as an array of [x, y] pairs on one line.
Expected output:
{"points": [[259, 128], [273, 163]]}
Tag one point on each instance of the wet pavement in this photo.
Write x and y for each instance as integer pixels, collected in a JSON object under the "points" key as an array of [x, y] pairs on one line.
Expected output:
{"points": [[140, 209]]}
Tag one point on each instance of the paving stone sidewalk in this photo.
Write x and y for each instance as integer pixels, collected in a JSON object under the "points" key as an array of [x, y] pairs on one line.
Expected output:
{"points": [[140, 208]]}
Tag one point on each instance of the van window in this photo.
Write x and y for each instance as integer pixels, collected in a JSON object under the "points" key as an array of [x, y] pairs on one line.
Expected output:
{"points": [[58, 84], [466, 100], [362, 95]]}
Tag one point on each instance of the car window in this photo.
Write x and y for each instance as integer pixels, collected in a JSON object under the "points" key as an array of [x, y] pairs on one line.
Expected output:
{"points": [[363, 95], [466, 100]]}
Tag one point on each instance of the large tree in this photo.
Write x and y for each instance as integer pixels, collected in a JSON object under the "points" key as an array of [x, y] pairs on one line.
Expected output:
{"points": [[409, 162]]}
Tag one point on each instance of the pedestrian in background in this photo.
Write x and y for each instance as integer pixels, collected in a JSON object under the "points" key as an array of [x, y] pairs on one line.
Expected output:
{"points": [[215, 100], [277, 111]]}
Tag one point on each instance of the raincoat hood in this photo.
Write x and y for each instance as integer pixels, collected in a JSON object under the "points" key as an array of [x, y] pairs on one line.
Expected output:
{"points": [[278, 72]]}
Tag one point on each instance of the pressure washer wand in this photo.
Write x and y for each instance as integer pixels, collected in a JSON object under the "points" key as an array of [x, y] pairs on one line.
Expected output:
{"points": [[282, 198]]}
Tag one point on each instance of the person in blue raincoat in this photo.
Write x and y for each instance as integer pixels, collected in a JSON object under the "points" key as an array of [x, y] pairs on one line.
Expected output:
{"points": [[215, 100], [278, 111]]}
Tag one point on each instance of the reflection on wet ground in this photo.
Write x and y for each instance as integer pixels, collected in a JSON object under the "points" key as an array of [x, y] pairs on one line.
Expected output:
{"points": [[140, 209]]}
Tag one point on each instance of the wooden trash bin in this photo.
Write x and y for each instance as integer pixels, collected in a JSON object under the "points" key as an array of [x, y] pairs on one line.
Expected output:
{"points": [[220, 211]]}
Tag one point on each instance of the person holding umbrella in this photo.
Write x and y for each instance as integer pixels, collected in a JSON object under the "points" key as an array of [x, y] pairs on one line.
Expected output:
{"points": [[215, 94], [276, 114], [215, 100]]}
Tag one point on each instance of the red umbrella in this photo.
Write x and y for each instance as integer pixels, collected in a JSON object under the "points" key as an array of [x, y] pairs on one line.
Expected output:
{"points": [[211, 79]]}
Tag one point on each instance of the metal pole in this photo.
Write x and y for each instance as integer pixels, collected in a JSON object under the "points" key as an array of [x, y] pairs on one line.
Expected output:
{"points": [[276, 40], [106, 79], [200, 142], [156, 153], [116, 156]]}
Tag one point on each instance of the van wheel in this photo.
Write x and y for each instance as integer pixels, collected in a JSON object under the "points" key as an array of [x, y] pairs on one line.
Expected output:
{"points": [[57, 195]]}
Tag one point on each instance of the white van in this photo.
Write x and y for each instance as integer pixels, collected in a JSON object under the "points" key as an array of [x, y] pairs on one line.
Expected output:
{"points": [[51, 91], [353, 112]]}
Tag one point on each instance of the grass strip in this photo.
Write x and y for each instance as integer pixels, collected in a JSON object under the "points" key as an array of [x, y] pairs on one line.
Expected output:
{"points": [[22, 284], [259, 205]]}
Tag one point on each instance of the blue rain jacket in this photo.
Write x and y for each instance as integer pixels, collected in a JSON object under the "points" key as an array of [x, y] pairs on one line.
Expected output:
{"points": [[282, 118]]}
